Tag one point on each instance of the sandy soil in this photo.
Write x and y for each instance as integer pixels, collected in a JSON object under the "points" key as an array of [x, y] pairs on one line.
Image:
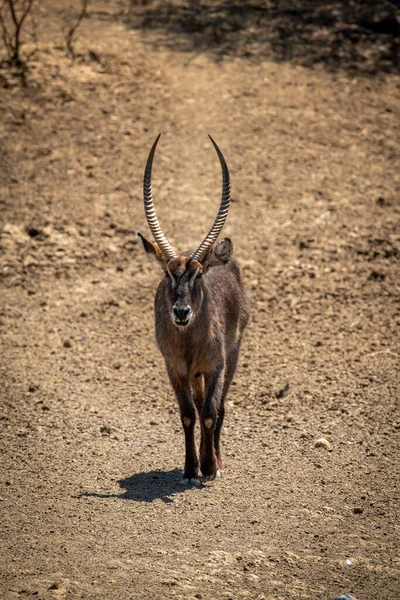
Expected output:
{"points": [[91, 443]]}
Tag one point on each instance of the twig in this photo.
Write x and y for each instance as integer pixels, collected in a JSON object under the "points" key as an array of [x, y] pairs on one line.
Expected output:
{"points": [[384, 352], [12, 40], [7, 39], [72, 30]]}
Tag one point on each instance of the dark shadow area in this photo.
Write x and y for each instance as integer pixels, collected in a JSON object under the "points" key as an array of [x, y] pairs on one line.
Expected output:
{"points": [[351, 35], [146, 487]]}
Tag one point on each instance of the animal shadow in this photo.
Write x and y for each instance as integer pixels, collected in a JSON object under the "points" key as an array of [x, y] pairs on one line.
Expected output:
{"points": [[147, 487]]}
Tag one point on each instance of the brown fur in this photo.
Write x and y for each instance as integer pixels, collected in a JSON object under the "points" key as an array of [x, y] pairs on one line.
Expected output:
{"points": [[201, 358]]}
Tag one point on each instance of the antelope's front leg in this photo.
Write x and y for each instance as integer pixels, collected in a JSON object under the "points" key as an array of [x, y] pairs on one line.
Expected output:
{"points": [[209, 416], [183, 394]]}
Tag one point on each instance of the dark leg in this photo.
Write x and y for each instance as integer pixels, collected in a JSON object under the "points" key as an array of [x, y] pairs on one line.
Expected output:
{"points": [[209, 416], [217, 432], [183, 394], [230, 371]]}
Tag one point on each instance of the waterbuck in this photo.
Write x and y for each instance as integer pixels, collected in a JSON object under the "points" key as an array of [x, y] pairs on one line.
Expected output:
{"points": [[200, 314]]}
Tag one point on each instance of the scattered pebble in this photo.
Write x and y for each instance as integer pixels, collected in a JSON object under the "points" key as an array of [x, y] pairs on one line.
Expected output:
{"points": [[323, 443], [67, 344], [376, 276], [105, 430], [283, 392], [53, 586], [381, 201], [33, 231], [358, 510]]}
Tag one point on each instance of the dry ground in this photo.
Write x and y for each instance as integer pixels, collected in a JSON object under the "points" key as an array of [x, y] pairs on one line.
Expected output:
{"points": [[91, 443]]}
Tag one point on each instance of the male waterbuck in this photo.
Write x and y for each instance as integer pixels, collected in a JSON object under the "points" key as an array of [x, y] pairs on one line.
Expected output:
{"points": [[201, 312]]}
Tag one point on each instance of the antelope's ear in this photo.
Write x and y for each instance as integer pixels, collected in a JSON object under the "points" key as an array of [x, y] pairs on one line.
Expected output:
{"points": [[152, 251], [219, 254]]}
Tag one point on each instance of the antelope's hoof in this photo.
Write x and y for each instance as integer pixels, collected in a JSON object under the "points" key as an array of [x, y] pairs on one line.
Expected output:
{"points": [[216, 475], [193, 482]]}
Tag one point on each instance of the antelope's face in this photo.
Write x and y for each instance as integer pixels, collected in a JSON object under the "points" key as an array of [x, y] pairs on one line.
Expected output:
{"points": [[184, 278], [184, 289], [184, 272]]}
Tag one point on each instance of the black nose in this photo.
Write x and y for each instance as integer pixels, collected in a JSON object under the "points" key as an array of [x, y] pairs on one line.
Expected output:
{"points": [[181, 313]]}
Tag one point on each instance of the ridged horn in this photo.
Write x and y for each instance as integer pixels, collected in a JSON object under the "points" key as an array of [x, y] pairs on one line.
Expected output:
{"points": [[149, 209], [201, 251]]}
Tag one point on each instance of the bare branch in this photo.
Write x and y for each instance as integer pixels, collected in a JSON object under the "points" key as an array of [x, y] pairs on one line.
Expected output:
{"points": [[72, 30], [25, 13], [11, 23], [11, 4], [7, 39]]}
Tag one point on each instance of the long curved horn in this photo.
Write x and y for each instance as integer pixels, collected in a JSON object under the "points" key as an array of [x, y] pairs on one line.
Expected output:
{"points": [[149, 209], [201, 251]]}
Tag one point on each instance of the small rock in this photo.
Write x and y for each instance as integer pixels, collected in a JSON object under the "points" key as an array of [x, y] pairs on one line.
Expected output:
{"points": [[322, 443], [15, 233], [283, 392], [33, 231], [376, 276], [67, 344], [358, 510], [53, 586], [94, 56]]}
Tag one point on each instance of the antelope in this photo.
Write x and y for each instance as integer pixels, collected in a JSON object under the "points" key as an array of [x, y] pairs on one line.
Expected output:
{"points": [[200, 314]]}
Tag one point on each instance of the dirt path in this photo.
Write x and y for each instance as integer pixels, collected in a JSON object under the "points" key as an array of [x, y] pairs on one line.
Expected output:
{"points": [[92, 448]]}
